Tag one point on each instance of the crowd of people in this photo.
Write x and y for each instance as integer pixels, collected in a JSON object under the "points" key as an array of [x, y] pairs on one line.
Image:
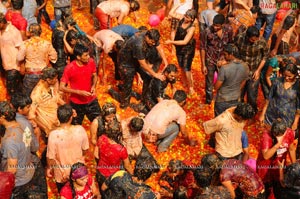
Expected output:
{"points": [[51, 88]]}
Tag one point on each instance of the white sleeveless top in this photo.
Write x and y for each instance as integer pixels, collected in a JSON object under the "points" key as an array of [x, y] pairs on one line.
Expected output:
{"points": [[186, 4]]}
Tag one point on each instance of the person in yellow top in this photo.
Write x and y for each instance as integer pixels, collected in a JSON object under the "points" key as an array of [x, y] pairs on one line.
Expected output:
{"points": [[45, 101]]}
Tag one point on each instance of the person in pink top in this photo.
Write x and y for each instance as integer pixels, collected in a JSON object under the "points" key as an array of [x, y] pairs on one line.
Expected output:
{"points": [[81, 75], [165, 120], [80, 185], [10, 40], [275, 145], [66, 145]]}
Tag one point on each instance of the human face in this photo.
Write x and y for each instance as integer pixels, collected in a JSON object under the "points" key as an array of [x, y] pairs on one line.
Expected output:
{"points": [[253, 39], [52, 81], [149, 41], [288, 76], [217, 27], [81, 181], [187, 18], [151, 137], [171, 77], [227, 56], [84, 58], [25, 110], [109, 118]]}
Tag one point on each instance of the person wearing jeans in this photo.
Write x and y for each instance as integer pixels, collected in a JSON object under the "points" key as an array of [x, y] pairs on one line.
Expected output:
{"points": [[267, 16], [163, 123], [166, 139], [253, 50]]}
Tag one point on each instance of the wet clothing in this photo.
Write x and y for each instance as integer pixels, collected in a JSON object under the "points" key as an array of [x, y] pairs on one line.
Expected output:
{"points": [[156, 89], [283, 103], [121, 185], [133, 50], [184, 53], [58, 44], [246, 179]]}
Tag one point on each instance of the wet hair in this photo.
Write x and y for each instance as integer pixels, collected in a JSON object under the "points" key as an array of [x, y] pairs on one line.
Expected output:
{"points": [[191, 13], [35, 29], [170, 68], [232, 50], [136, 123], [59, 24], [252, 31], [144, 169], [211, 161], [20, 101], [203, 176], [278, 128], [101, 126], [49, 73], [153, 34], [292, 68], [180, 193], [69, 21], [72, 34], [17, 4], [142, 28], [114, 132], [219, 19], [245, 111], [119, 44], [175, 165], [79, 49], [134, 5], [74, 167], [7, 111], [108, 108], [179, 96], [289, 21], [64, 113], [3, 19]]}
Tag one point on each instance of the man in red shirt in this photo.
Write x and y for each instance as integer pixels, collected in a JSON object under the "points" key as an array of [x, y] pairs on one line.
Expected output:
{"points": [[81, 74], [16, 18]]}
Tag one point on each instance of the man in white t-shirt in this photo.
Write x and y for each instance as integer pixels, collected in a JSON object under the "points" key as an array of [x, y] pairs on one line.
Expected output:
{"points": [[165, 120]]}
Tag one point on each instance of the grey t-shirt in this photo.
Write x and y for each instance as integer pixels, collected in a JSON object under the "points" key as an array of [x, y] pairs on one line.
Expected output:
{"points": [[232, 75], [16, 145]]}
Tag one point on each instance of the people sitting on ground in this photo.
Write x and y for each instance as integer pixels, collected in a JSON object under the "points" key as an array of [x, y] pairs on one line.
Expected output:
{"points": [[203, 176], [123, 185], [178, 176]]}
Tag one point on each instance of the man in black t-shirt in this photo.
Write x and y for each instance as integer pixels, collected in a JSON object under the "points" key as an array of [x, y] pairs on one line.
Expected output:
{"points": [[132, 58]]}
